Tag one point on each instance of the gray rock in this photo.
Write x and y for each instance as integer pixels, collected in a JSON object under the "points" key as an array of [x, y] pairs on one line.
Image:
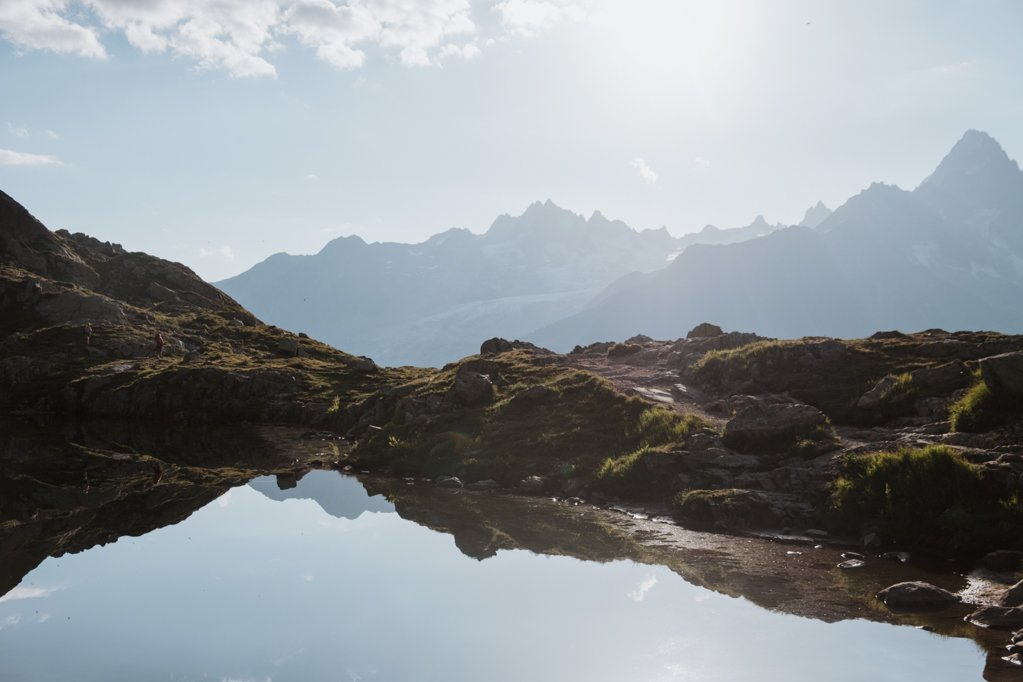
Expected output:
{"points": [[287, 346], [704, 330], [851, 563], [448, 481], [158, 292], [532, 485], [912, 595], [472, 388], [700, 441], [997, 617], [486, 484], [1002, 560], [1004, 373], [762, 426], [1014, 595]]}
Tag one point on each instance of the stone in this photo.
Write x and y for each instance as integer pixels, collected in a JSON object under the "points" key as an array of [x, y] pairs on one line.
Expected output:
{"points": [[448, 482], [1003, 373], [532, 485], [287, 346], [472, 388], [851, 563], [1002, 560], [622, 350], [704, 330], [916, 595], [901, 557], [1014, 595], [485, 484], [765, 426], [997, 617], [498, 345], [158, 292], [700, 441]]}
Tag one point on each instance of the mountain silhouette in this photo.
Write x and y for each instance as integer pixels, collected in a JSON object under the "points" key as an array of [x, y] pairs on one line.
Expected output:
{"points": [[948, 254], [434, 302]]}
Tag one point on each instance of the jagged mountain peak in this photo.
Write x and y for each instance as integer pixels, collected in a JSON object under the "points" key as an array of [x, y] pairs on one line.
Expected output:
{"points": [[815, 215], [977, 158]]}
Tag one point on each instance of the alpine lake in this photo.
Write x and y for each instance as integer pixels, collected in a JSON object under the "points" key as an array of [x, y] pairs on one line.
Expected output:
{"points": [[131, 552]]}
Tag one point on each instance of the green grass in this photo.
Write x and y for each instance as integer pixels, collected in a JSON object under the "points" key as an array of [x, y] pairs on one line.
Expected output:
{"points": [[976, 410], [658, 431], [928, 496]]}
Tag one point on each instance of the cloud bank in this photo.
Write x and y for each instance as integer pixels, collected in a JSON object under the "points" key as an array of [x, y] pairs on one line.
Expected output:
{"points": [[9, 157], [237, 36]]}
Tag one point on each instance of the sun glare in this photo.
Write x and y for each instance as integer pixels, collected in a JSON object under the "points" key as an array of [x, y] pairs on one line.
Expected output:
{"points": [[678, 38]]}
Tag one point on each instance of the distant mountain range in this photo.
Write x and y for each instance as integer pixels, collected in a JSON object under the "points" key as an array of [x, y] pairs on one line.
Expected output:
{"points": [[948, 254], [431, 303]]}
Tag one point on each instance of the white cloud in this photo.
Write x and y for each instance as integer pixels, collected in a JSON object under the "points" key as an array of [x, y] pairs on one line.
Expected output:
{"points": [[227, 252], [9, 157], [16, 131], [52, 135], [467, 51], [38, 25], [645, 172], [702, 162], [236, 35], [647, 584], [224, 500], [413, 55], [526, 17], [10, 620], [203, 253], [312, 176]]}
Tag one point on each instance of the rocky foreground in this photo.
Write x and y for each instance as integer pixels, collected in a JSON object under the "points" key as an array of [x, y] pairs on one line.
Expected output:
{"points": [[893, 443], [908, 439]]}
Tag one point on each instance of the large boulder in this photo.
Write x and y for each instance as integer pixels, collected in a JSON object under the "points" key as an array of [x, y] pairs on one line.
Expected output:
{"points": [[1014, 595], [472, 388], [916, 595], [498, 345], [769, 426], [704, 330], [1004, 373]]}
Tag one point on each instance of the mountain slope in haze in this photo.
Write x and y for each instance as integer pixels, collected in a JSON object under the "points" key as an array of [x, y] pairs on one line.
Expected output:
{"points": [[431, 303], [948, 254]]}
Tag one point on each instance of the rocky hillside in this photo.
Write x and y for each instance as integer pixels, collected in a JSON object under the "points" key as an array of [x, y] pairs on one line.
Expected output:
{"points": [[217, 361]]}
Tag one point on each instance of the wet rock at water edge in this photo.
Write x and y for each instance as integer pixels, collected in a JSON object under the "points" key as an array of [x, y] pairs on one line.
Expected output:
{"points": [[852, 563], [916, 595], [1014, 595], [997, 617], [1002, 560], [448, 481]]}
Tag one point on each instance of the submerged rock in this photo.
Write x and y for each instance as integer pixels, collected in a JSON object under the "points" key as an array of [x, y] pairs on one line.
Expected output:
{"points": [[912, 595]]}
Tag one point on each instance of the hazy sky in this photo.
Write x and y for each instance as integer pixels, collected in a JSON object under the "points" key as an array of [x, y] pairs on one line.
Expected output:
{"points": [[217, 132]]}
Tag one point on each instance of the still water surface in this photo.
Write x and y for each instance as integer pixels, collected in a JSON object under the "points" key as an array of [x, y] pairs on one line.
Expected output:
{"points": [[325, 582]]}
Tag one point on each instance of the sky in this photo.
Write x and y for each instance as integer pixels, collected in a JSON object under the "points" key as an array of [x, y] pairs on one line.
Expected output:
{"points": [[218, 132]]}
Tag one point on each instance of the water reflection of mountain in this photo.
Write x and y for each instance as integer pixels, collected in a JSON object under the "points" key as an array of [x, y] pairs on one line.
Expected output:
{"points": [[340, 496], [67, 487], [796, 579]]}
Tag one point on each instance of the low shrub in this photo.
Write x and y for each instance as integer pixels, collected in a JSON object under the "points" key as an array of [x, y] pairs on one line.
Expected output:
{"points": [[975, 411], [929, 496]]}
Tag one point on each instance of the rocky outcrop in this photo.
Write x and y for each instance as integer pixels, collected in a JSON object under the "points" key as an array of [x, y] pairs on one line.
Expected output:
{"points": [[916, 595], [1004, 373], [704, 330], [766, 425], [997, 617]]}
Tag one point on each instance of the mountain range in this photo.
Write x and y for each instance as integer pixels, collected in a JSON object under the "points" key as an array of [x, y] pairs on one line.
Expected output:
{"points": [[431, 303], [947, 254]]}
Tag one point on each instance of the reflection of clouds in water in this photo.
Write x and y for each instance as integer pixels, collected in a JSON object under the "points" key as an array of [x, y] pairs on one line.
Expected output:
{"points": [[647, 584], [28, 593], [10, 620], [307, 578], [43, 617], [224, 499], [245, 679]]}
